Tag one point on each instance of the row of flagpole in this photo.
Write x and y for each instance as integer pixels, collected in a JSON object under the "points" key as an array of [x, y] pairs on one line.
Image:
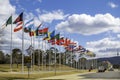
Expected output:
{"points": [[20, 24]]}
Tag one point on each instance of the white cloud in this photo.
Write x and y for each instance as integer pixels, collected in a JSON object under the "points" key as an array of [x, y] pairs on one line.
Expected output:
{"points": [[89, 25], [112, 5], [6, 9], [40, 1], [5, 39], [105, 47], [50, 16], [118, 35], [38, 10]]}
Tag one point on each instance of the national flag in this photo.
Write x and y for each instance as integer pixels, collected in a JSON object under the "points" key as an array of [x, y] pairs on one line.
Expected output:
{"points": [[70, 47], [66, 42], [19, 22], [37, 30], [32, 33], [60, 41], [79, 48], [9, 21], [57, 36], [52, 41], [43, 31], [29, 24], [47, 36], [30, 49], [52, 34]]}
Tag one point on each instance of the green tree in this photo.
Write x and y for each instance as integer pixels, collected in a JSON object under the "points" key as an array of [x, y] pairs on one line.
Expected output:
{"points": [[16, 54], [2, 57], [38, 56], [7, 59]]}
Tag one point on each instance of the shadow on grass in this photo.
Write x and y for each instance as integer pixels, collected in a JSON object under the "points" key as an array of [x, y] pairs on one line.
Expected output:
{"points": [[9, 78], [102, 75], [53, 79]]}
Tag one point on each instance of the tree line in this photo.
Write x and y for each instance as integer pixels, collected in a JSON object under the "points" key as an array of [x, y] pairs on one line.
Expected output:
{"points": [[38, 57]]}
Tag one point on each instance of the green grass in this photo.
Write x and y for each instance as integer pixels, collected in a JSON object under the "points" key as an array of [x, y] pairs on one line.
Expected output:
{"points": [[5, 73]]}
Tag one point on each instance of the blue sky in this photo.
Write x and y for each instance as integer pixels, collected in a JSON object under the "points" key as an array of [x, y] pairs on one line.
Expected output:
{"points": [[95, 24]]}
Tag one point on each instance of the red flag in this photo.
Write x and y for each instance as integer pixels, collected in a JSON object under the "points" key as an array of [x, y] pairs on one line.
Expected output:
{"points": [[60, 41], [43, 31], [19, 22]]}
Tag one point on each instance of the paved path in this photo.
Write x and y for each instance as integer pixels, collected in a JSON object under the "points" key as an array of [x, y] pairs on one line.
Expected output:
{"points": [[87, 76]]}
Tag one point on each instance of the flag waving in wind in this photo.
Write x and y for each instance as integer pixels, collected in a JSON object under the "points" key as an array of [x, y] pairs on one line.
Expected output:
{"points": [[9, 21], [29, 25], [19, 22]]}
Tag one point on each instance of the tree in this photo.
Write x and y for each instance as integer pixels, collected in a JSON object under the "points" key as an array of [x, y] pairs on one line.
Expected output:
{"points": [[49, 56], [16, 54], [2, 57], [7, 58], [38, 56]]}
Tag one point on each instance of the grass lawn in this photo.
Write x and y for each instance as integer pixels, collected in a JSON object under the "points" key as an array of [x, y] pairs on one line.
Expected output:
{"points": [[5, 73]]}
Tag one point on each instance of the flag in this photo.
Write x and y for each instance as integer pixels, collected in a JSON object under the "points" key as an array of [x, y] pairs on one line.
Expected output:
{"points": [[29, 24], [60, 41], [9, 21], [66, 42], [52, 34], [37, 30], [43, 31], [19, 22], [32, 33], [57, 36], [70, 47], [52, 41], [30, 49], [47, 36]]}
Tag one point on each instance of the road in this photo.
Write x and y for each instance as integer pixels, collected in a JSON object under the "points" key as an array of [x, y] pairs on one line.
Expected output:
{"points": [[110, 75]]}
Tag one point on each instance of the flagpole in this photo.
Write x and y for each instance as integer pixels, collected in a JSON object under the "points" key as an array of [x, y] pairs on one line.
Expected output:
{"points": [[31, 53], [11, 49], [55, 59], [23, 48], [38, 53], [42, 56], [49, 57], [59, 59]]}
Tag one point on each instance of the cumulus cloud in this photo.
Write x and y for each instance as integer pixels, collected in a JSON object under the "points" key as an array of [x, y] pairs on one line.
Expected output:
{"points": [[5, 35], [50, 16], [38, 10], [40, 1], [6, 9], [17, 40], [89, 25], [112, 5], [105, 47]]}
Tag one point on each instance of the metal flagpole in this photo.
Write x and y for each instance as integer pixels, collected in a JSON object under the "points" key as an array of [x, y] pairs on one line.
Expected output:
{"points": [[11, 49], [42, 56], [38, 54], [55, 59], [31, 54], [45, 55], [23, 48], [49, 56], [59, 59]]}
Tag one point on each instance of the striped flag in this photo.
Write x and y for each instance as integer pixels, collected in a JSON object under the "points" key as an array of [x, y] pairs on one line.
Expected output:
{"points": [[19, 22], [28, 25]]}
